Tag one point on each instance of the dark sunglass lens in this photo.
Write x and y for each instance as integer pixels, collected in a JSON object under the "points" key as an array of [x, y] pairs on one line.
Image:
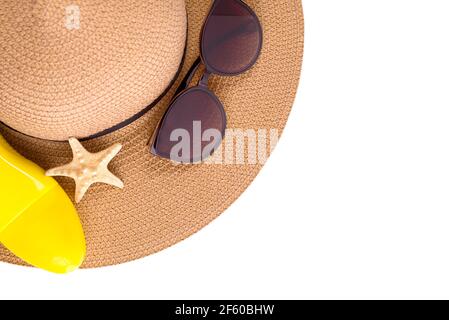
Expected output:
{"points": [[193, 127], [232, 38]]}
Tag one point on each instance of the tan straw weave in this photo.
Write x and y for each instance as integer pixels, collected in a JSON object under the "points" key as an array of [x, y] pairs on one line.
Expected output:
{"points": [[57, 82], [161, 203]]}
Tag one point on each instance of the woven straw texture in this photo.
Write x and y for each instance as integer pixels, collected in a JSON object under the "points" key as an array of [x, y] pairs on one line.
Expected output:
{"points": [[57, 81], [163, 203]]}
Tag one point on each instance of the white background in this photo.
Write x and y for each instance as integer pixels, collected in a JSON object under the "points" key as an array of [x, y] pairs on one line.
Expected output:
{"points": [[355, 201]]}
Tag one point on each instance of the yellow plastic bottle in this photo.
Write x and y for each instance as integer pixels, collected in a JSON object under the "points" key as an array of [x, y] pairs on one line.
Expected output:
{"points": [[38, 221]]}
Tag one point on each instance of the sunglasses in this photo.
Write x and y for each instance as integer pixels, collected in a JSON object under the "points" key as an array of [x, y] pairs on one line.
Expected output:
{"points": [[194, 124]]}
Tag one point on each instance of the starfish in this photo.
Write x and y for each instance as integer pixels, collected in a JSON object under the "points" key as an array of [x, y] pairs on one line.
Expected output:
{"points": [[88, 168]]}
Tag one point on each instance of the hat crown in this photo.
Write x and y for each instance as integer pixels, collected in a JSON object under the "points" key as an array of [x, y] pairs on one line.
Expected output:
{"points": [[75, 70]]}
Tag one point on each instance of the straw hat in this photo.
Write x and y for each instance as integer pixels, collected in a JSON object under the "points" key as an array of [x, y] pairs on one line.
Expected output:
{"points": [[106, 72]]}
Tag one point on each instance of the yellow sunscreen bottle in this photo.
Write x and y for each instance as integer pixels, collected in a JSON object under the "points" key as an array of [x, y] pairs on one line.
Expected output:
{"points": [[38, 221]]}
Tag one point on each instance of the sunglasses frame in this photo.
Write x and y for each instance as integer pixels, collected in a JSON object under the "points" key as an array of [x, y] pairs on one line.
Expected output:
{"points": [[209, 68], [203, 83]]}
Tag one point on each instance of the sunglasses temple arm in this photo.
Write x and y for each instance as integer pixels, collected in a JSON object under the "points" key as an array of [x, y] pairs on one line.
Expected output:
{"points": [[189, 76], [184, 84]]}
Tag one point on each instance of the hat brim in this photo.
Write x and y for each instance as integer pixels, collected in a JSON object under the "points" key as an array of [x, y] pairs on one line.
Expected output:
{"points": [[163, 203]]}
